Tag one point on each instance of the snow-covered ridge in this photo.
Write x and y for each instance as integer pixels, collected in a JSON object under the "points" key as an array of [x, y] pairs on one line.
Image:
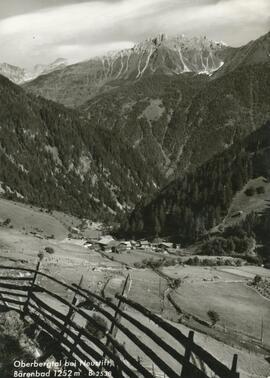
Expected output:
{"points": [[158, 55], [21, 75], [170, 55]]}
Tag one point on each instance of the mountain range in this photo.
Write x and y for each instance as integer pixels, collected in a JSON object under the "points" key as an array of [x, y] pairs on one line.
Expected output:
{"points": [[20, 75], [165, 96], [159, 55], [109, 132]]}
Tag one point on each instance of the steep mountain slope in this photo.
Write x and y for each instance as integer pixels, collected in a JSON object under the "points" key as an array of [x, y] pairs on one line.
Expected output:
{"points": [[225, 110], [177, 123], [13, 73], [20, 75], [255, 52], [153, 115], [53, 157], [160, 55], [155, 98], [144, 113], [43, 69], [199, 200]]}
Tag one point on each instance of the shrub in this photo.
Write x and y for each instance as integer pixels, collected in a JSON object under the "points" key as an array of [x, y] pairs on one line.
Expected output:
{"points": [[257, 279], [260, 190], [218, 247], [176, 283], [41, 255], [250, 191], [238, 263], [235, 230], [213, 316], [98, 327], [193, 261], [255, 260], [49, 250], [242, 245], [7, 222]]}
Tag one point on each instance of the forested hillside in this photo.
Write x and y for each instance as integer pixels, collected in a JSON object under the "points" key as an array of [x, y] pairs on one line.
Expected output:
{"points": [[168, 112], [177, 123], [55, 158], [151, 116], [175, 100], [200, 199]]}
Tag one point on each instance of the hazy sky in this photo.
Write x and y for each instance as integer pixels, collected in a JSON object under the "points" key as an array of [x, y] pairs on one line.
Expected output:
{"points": [[39, 31]]}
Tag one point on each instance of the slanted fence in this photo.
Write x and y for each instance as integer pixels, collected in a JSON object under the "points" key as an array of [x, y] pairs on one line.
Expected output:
{"points": [[64, 322]]}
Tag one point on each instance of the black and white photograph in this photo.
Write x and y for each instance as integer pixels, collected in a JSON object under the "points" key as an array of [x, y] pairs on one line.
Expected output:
{"points": [[135, 188]]}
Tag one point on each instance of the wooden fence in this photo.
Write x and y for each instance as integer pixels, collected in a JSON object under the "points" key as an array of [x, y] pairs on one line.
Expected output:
{"points": [[63, 321]]}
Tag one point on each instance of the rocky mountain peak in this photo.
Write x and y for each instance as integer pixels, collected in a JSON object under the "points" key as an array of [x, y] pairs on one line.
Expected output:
{"points": [[20, 75], [14, 73], [170, 55], [162, 40], [158, 55], [43, 69]]}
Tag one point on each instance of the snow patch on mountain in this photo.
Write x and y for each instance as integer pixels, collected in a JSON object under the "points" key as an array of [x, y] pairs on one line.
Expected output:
{"points": [[170, 55], [20, 75]]}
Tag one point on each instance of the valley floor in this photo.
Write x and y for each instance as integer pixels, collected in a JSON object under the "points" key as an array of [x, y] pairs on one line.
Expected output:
{"points": [[223, 289]]}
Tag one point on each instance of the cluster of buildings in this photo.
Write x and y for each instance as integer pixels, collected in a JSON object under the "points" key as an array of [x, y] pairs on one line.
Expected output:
{"points": [[110, 245]]}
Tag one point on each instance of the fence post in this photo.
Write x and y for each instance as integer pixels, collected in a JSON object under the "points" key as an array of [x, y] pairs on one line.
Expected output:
{"points": [[153, 370], [70, 314], [75, 343], [25, 307], [56, 345], [3, 300], [113, 329], [234, 366], [186, 371]]}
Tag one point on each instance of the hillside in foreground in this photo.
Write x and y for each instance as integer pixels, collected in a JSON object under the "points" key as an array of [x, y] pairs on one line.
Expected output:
{"points": [[224, 289]]}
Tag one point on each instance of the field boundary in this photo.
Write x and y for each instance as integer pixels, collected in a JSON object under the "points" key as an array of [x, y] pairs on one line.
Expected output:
{"points": [[20, 291]]}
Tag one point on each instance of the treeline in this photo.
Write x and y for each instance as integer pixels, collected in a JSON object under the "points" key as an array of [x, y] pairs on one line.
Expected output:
{"points": [[200, 199]]}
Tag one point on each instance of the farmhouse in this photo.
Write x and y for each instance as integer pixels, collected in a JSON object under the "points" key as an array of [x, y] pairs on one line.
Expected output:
{"points": [[105, 240], [87, 244], [171, 251], [107, 244], [111, 246], [126, 244], [143, 244], [165, 245], [75, 230], [133, 243]]}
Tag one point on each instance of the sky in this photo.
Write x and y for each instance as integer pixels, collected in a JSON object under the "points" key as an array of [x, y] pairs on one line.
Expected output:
{"points": [[40, 31]]}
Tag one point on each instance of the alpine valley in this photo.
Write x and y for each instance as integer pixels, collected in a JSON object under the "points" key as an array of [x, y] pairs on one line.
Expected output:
{"points": [[144, 172], [99, 137]]}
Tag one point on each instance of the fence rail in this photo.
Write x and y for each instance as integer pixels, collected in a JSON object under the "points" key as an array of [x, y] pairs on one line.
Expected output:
{"points": [[72, 339]]}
